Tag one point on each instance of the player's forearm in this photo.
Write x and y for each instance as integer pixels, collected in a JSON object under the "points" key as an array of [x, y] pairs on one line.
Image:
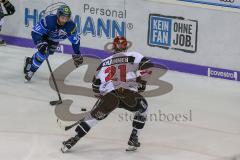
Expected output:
{"points": [[74, 38]]}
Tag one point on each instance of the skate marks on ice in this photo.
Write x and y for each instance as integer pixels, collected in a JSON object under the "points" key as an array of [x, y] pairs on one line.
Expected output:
{"points": [[62, 111]]}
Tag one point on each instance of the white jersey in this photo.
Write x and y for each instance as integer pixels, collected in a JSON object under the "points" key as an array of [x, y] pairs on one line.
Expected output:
{"points": [[119, 71]]}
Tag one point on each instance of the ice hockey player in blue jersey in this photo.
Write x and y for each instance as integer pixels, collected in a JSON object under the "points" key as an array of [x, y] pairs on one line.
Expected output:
{"points": [[46, 36]]}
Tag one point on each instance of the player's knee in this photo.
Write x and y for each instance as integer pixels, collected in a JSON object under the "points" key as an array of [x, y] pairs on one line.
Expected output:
{"points": [[142, 105], [40, 57], [98, 115], [139, 120], [82, 129], [37, 60]]}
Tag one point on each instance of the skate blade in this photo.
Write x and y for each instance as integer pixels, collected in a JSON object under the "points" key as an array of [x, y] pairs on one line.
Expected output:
{"points": [[64, 149], [26, 81], [131, 149]]}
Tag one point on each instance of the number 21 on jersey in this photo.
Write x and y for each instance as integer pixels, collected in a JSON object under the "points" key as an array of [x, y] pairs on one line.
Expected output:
{"points": [[112, 70]]}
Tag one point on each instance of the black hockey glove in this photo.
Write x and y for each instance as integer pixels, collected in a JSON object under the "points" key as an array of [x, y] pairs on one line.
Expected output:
{"points": [[52, 47], [8, 6], [42, 47], [78, 59], [142, 85], [96, 84]]}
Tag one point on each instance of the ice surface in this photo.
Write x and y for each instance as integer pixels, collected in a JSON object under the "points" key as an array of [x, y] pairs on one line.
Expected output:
{"points": [[29, 130]]}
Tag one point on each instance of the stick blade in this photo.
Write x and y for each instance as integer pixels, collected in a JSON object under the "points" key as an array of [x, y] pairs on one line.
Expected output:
{"points": [[131, 149], [68, 127], [53, 103], [62, 124]]}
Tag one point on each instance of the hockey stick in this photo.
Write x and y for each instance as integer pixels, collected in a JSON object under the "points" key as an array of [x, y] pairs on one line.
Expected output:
{"points": [[59, 101], [67, 127]]}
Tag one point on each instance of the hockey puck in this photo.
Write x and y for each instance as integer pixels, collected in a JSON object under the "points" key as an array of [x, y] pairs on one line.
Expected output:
{"points": [[83, 109]]}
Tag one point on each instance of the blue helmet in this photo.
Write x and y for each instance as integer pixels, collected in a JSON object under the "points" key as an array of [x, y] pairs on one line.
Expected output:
{"points": [[64, 10]]}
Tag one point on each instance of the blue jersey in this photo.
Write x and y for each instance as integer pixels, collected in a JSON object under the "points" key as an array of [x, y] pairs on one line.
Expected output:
{"points": [[49, 28]]}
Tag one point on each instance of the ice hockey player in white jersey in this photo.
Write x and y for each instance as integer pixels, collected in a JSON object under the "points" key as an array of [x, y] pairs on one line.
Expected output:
{"points": [[118, 81]]}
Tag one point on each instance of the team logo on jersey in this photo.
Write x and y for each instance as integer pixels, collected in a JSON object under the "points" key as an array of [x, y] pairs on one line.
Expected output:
{"points": [[61, 33], [172, 33]]}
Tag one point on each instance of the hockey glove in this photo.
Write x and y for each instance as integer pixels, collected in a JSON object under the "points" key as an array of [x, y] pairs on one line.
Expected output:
{"points": [[42, 47], [142, 85], [52, 46], [8, 6]]}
